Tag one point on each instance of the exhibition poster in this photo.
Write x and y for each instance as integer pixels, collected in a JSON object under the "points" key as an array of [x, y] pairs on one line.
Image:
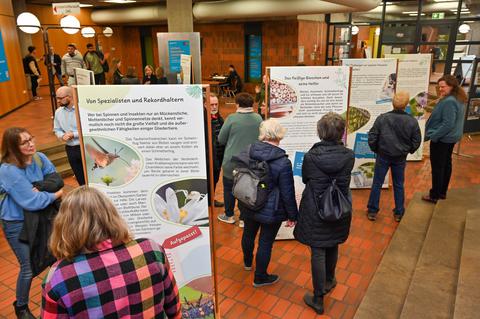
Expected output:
{"points": [[4, 75], [372, 90], [298, 98], [413, 76], [144, 146]]}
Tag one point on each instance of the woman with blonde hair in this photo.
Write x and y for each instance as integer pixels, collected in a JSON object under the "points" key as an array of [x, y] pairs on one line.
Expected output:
{"points": [[280, 205], [21, 171], [149, 77], [101, 271]]}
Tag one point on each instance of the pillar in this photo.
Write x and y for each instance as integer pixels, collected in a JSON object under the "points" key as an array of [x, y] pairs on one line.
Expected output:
{"points": [[180, 15]]}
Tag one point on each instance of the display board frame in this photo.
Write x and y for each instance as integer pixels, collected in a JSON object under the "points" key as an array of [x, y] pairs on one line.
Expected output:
{"points": [[206, 136]]}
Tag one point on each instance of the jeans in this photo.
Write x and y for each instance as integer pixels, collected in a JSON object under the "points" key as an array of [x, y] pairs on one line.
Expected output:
{"points": [[268, 232], [441, 162], [324, 261], [398, 175], [74, 156], [228, 198], [12, 230], [99, 78], [34, 82]]}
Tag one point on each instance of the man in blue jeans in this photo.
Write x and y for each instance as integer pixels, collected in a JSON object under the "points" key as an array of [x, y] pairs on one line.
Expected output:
{"points": [[393, 135]]}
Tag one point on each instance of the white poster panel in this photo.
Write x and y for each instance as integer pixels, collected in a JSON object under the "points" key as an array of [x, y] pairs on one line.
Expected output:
{"points": [[298, 98], [414, 78], [372, 89], [144, 146], [186, 65], [84, 77]]}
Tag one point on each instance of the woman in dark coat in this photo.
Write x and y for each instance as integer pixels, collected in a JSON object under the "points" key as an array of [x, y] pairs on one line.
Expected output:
{"points": [[326, 160], [280, 206]]}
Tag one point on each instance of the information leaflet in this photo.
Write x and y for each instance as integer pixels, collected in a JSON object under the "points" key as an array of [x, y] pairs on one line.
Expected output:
{"points": [[299, 97], [372, 89], [144, 146], [414, 78]]}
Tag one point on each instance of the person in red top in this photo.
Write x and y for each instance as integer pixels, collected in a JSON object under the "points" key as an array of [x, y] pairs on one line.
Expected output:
{"points": [[101, 272]]}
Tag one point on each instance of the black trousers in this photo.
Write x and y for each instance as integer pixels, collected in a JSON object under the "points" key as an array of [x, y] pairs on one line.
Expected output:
{"points": [[324, 261], [75, 159], [34, 81], [441, 162], [99, 78], [268, 232]]}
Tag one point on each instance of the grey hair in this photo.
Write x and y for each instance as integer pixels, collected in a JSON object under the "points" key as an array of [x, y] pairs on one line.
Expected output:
{"points": [[331, 127], [271, 130]]}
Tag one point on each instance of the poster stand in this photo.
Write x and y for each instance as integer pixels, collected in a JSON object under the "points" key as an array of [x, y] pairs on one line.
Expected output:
{"points": [[209, 175]]}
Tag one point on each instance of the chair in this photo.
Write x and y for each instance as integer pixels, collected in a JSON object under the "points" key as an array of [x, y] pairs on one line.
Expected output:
{"points": [[234, 88]]}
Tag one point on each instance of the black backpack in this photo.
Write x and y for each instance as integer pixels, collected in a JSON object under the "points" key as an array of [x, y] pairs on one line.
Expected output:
{"points": [[26, 68], [251, 181], [332, 205]]}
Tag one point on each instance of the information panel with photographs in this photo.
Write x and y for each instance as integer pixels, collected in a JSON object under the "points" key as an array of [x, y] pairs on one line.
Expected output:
{"points": [[144, 146], [298, 98], [372, 90]]}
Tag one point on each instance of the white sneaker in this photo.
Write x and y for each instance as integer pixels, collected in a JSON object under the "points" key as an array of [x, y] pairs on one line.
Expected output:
{"points": [[224, 218], [241, 224]]}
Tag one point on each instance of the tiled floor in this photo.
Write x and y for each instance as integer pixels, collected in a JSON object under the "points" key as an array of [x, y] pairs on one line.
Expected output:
{"points": [[358, 259]]}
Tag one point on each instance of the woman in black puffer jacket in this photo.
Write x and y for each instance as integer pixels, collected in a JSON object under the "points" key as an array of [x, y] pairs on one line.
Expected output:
{"points": [[326, 160], [280, 206]]}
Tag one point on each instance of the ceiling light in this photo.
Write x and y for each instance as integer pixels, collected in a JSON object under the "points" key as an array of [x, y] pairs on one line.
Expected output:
{"points": [[464, 28], [28, 23], [88, 32], [120, 1], [108, 32], [409, 12], [85, 5], [444, 1], [70, 24], [355, 30]]}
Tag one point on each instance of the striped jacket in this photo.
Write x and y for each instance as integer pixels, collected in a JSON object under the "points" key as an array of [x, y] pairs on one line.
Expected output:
{"points": [[131, 280]]}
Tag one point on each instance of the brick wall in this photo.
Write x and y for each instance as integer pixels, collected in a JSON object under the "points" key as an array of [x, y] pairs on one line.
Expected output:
{"points": [[279, 43]]}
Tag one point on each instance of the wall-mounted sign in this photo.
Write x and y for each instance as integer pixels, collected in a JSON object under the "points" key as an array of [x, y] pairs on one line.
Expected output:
{"points": [[4, 75], [175, 49], [438, 15], [66, 8], [254, 56]]}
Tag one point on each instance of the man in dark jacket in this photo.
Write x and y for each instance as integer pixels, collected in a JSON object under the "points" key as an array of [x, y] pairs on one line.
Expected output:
{"points": [[280, 205], [218, 149], [392, 137], [54, 64]]}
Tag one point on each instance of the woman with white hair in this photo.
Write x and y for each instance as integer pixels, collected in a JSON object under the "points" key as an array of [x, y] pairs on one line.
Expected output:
{"points": [[280, 205]]}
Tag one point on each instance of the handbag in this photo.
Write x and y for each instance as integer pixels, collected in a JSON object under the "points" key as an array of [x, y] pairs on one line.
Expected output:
{"points": [[333, 205]]}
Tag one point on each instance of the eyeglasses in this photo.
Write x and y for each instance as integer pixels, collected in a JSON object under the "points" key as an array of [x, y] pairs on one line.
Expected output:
{"points": [[61, 97], [30, 140]]}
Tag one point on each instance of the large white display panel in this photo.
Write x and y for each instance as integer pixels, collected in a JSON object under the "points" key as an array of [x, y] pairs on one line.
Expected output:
{"points": [[298, 98], [372, 89], [414, 78], [144, 146]]}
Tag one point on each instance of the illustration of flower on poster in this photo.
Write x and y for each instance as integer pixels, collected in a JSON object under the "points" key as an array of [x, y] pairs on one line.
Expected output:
{"points": [[299, 97], [144, 147], [371, 93]]}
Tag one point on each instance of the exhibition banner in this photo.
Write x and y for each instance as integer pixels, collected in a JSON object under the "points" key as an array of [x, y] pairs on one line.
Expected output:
{"points": [[413, 76], [298, 98], [372, 89], [4, 75], [144, 146]]}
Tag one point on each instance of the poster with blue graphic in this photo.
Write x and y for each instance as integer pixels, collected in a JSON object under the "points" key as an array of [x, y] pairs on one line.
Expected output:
{"points": [[372, 90], [4, 76], [254, 58], [175, 49]]}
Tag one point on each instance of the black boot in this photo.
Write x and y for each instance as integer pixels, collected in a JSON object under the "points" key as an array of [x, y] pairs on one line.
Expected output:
{"points": [[23, 312], [329, 285], [315, 302]]}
